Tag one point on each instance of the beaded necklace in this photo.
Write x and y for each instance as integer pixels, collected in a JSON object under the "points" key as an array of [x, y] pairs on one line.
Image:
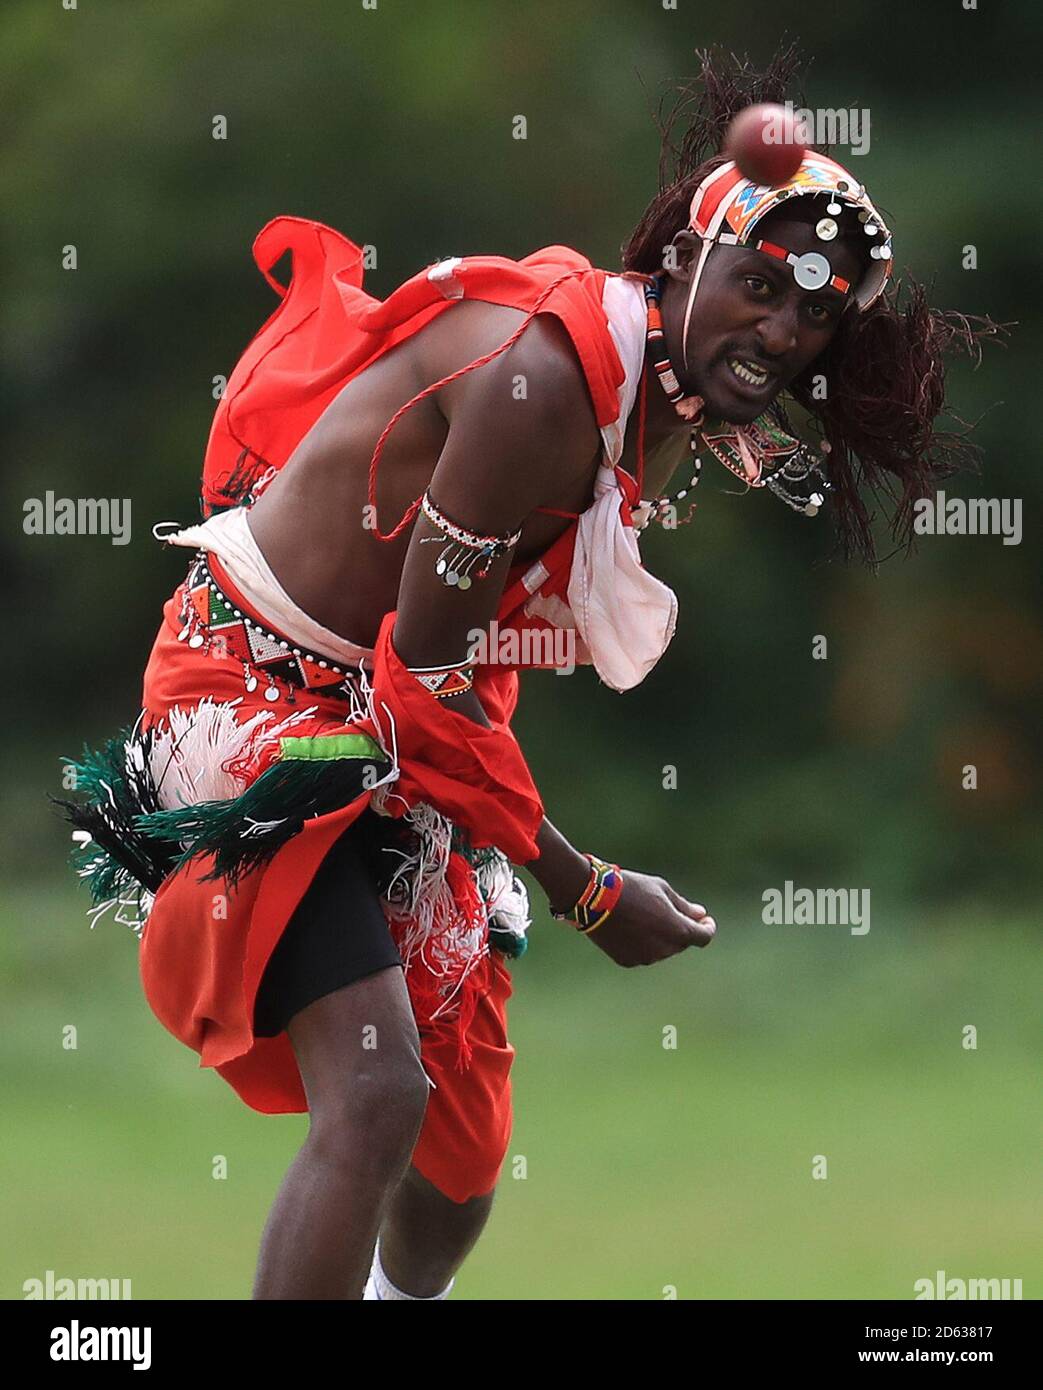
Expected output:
{"points": [[690, 408]]}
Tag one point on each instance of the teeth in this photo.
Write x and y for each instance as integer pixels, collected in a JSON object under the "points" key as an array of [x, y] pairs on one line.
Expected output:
{"points": [[746, 371]]}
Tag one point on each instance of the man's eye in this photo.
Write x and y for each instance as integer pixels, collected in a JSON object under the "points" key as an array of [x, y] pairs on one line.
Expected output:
{"points": [[821, 313], [758, 285]]}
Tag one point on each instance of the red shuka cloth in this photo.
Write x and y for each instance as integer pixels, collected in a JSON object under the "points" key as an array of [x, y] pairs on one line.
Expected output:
{"points": [[327, 329], [205, 947], [200, 972]]}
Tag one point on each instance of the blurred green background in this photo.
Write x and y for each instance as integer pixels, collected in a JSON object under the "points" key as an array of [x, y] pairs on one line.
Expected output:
{"points": [[647, 1167]]}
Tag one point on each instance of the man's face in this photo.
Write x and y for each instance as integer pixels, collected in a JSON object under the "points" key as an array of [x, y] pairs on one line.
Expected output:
{"points": [[753, 329]]}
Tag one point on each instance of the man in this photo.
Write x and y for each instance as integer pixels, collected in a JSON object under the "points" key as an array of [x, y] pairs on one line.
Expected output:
{"points": [[524, 421]]}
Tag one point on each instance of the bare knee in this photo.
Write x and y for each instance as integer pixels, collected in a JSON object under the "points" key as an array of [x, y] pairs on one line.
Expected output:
{"points": [[358, 1051], [380, 1108]]}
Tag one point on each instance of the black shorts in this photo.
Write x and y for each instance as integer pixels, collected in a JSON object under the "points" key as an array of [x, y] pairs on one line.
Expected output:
{"points": [[338, 934]]}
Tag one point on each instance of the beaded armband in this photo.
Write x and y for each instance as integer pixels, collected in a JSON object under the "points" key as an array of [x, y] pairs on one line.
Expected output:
{"points": [[443, 681], [463, 549], [599, 897]]}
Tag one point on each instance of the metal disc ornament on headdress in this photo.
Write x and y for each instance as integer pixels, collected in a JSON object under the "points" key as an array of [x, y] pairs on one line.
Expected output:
{"points": [[812, 271]]}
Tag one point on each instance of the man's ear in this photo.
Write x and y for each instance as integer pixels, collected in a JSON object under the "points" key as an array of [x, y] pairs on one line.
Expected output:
{"points": [[679, 255]]}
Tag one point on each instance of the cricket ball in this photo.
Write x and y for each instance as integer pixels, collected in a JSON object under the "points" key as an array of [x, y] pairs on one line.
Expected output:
{"points": [[765, 143]]}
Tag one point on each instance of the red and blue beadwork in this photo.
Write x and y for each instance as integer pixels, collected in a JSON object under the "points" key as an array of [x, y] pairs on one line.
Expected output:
{"points": [[599, 897]]}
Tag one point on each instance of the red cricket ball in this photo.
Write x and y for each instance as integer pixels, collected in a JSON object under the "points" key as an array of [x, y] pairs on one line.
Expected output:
{"points": [[764, 142]]}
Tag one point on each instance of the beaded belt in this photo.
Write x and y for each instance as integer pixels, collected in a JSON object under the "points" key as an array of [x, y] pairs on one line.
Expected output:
{"points": [[212, 619]]}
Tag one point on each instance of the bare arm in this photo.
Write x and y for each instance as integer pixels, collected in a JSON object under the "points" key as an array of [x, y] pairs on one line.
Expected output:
{"points": [[503, 457], [505, 454]]}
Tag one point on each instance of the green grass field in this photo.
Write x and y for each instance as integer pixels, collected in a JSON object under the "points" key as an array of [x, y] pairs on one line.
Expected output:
{"points": [[647, 1168]]}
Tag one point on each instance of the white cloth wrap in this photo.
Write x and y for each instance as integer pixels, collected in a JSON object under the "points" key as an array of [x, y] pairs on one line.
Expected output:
{"points": [[625, 615]]}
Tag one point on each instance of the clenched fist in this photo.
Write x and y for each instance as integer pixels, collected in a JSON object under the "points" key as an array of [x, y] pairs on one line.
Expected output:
{"points": [[650, 922]]}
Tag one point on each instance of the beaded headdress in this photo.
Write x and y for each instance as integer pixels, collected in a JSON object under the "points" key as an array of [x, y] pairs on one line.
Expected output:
{"points": [[726, 207]]}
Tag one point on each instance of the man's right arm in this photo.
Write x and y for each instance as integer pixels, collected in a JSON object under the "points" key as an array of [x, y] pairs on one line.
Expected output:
{"points": [[505, 455]]}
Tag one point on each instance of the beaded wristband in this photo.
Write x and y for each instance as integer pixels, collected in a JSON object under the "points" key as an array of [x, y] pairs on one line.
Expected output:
{"points": [[444, 681], [599, 897]]}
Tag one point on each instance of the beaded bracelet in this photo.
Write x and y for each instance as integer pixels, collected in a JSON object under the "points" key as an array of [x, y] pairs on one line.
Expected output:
{"points": [[599, 897], [444, 681]]}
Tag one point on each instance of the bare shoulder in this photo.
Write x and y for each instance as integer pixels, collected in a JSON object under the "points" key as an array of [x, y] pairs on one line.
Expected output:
{"points": [[521, 428], [537, 383]]}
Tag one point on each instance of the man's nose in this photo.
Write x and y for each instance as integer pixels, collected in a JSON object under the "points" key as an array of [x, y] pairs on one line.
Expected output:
{"points": [[777, 331]]}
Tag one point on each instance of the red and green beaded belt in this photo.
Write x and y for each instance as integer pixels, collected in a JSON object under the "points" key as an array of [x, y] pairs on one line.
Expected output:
{"points": [[216, 620]]}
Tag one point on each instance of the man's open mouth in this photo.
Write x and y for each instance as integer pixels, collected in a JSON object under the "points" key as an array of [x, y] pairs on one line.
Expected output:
{"points": [[748, 372]]}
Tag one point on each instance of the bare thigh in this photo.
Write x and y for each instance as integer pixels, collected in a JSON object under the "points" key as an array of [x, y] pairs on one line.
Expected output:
{"points": [[358, 1043]]}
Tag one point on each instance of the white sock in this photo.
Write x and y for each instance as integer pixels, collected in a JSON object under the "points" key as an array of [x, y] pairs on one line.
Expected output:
{"points": [[379, 1286]]}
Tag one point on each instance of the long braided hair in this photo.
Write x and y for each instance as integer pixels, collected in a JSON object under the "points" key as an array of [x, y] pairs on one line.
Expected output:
{"points": [[885, 368]]}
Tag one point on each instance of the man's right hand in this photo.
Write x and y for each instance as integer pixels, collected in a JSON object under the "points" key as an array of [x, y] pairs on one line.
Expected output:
{"points": [[650, 922]]}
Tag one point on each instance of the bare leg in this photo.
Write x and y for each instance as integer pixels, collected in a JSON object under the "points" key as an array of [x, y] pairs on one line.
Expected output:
{"points": [[426, 1237], [359, 1055]]}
